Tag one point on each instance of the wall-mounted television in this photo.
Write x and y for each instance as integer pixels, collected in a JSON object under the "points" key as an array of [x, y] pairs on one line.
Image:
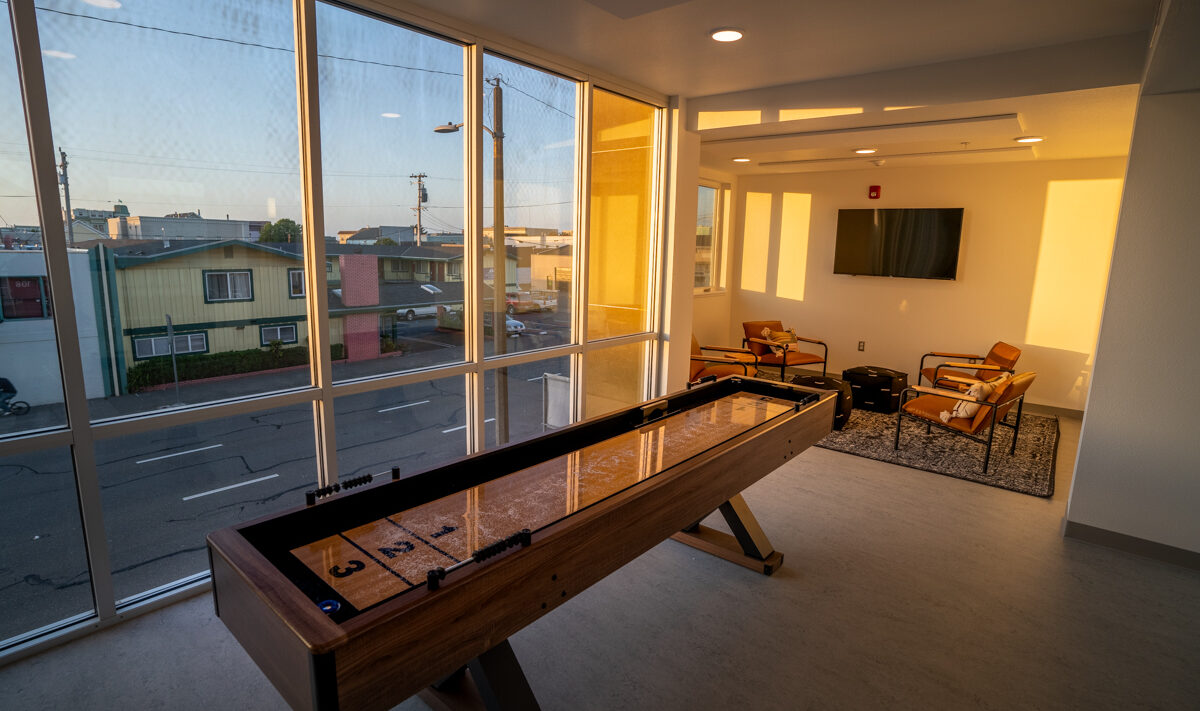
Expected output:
{"points": [[919, 243]]}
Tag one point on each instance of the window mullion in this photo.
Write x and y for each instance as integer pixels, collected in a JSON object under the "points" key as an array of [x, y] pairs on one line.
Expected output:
{"points": [[304, 14]]}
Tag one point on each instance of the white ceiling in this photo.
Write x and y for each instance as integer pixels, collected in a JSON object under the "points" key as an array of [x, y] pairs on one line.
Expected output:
{"points": [[664, 46]]}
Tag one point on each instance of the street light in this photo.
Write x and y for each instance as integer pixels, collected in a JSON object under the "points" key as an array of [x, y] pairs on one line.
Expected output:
{"points": [[499, 251]]}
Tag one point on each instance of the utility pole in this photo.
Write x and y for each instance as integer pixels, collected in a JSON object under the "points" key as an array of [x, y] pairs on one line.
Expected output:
{"points": [[62, 178], [422, 197], [499, 260]]}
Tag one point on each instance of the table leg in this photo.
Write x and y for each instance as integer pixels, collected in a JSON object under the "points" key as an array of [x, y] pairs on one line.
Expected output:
{"points": [[748, 546]]}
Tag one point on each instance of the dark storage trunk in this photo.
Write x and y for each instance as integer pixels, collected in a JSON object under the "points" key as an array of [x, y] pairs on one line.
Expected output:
{"points": [[874, 388], [844, 404]]}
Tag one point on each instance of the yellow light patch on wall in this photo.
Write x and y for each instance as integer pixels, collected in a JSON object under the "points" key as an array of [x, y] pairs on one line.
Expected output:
{"points": [[793, 245], [1072, 268], [721, 119], [800, 114], [901, 108], [756, 238]]}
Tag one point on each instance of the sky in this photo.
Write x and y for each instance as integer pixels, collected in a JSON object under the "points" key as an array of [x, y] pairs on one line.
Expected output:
{"points": [[175, 106]]}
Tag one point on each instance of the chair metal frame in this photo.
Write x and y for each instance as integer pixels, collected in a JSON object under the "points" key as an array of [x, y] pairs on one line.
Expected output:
{"points": [[955, 395], [784, 365]]}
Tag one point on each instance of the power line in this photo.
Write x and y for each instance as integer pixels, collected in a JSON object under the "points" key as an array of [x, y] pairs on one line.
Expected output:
{"points": [[531, 96]]}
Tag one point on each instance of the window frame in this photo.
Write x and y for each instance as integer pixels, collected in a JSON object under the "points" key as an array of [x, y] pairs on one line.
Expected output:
{"points": [[262, 330], [291, 286], [163, 336], [204, 283]]}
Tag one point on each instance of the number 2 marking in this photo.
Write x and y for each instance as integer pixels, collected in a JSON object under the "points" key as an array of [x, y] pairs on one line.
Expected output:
{"points": [[338, 571], [401, 547]]}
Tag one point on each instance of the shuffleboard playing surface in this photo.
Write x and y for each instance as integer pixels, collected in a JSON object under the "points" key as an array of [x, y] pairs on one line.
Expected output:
{"points": [[373, 562]]}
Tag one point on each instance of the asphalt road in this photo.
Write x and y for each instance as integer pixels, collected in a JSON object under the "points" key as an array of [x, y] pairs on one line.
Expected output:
{"points": [[163, 491]]}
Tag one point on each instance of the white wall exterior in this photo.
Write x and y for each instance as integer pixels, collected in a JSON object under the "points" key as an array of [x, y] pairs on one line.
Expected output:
{"points": [[30, 356], [900, 319]]}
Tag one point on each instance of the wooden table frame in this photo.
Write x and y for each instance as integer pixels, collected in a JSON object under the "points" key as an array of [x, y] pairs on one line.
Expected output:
{"points": [[387, 653]]}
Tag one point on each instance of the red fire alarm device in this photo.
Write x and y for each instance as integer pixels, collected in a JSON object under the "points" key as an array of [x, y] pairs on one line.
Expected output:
{"points": [[873, 192]]}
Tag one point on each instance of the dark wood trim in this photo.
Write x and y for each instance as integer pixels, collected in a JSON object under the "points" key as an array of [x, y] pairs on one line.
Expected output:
{"points": [[1132, 544]]}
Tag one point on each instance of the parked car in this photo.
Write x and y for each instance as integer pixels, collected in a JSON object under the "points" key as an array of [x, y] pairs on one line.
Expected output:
{"points": [[451, 320], [411, 313], [520, 302]]}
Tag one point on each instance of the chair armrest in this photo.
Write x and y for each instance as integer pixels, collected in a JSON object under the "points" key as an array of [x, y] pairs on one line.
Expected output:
{"points": [[763, 341], [956, 379], [723, 360], [976, 366], [727, 349], [810, 340], [952, 394], [943, 354]]}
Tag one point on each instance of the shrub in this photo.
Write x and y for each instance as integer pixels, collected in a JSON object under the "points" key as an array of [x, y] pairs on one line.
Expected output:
{"points": [[157, 371]]}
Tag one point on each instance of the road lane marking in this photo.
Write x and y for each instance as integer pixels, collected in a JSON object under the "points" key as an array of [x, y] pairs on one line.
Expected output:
{"points": [[178, 454], [401, 407], [463, 427], [231, 486]]}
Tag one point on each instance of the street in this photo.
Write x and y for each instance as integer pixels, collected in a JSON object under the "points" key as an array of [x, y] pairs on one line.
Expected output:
{"points": [[164, 490]]}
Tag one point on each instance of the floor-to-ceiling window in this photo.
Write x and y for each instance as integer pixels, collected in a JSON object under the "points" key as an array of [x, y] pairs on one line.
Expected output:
{"points": [[437, 287]]}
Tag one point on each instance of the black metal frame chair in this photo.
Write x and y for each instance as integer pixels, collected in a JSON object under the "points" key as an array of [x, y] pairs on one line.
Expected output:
{"points": [[1007, 399]]}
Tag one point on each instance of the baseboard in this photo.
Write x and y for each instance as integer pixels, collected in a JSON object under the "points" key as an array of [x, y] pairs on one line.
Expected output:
{"points": [[1132, 544], [1039, 409]]}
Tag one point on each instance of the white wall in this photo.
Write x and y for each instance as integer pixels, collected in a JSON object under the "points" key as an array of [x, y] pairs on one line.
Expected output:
{"points": [[1009, 208], [29, 354], [1138, 468]]}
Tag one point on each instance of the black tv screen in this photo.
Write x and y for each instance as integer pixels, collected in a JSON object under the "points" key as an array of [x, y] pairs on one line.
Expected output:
{"points": [[919, 243]]}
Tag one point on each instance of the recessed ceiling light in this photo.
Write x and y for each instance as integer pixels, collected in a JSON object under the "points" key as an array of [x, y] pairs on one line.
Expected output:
{"points": [[865, 151], [727, 34], [741, 160], [1029, 139], [389, 114], [58, 54]]}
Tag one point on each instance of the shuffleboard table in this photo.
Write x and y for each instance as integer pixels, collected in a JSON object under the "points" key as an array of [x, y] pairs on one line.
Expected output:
{"points": [[363, 598]]}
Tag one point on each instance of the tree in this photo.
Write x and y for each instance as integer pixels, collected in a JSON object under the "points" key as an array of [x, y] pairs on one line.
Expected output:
{"points": [[385, 242], [284, 230]]}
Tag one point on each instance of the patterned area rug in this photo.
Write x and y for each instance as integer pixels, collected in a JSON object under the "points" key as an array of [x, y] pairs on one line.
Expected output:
{"points": [[1029, 471]]}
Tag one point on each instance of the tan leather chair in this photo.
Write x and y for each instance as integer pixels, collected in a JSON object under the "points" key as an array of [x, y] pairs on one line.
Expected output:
{"points": [[732, 361], [929, 403], [1002, 358], [761, 348]]}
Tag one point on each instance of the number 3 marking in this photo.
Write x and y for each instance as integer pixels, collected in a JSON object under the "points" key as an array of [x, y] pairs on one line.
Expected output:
{"points": [[338, 571]]}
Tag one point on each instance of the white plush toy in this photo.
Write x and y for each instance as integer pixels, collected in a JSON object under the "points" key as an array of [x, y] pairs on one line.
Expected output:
{"points": [[781, 340], [980, 391]]}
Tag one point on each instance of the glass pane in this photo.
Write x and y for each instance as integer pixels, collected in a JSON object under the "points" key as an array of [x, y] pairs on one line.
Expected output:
{"points": [[415, 427], [180, 176], [614, 378], [44, 574], [706, 211], [621, 239], [533, 398], [393, 194], [529, 163], [27, 341], [164, 491]]}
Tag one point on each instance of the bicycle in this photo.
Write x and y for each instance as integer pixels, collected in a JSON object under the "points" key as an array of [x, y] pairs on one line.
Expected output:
{"points": [[17, 407]]}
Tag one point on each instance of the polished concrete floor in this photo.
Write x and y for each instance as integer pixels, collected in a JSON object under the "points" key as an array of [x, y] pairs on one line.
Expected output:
{"points": [[900, 590]]}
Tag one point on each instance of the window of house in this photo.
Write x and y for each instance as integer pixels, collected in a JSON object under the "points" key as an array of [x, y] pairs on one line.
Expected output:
{"points": [[161, 346], [284, 333], [228, 286], [24, 297], [296, 283]]}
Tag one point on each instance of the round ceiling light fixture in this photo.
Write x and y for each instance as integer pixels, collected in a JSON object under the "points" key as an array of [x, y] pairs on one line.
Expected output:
{"points": [[727, 34], [1029, 139], [865, 151], [741, 160]]}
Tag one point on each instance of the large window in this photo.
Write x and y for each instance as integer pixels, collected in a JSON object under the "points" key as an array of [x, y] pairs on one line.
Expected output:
{"points": [[24, 297], [393, 188], [622, 229], [444, 322]]}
